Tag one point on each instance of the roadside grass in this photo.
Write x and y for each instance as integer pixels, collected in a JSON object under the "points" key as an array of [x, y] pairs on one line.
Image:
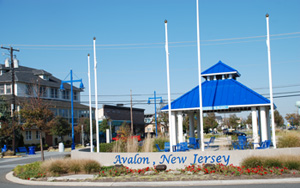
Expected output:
{"points": [[289, 139], [283, 161], [56, 167]]}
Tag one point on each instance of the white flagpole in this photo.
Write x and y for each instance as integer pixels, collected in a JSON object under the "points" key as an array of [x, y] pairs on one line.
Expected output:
{"points": [[96, 97], [90, 105], [270, 83], [169, 95], [199, 75]]}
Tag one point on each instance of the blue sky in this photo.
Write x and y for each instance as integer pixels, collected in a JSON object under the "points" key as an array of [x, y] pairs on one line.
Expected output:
{"points": [[57, 36]]}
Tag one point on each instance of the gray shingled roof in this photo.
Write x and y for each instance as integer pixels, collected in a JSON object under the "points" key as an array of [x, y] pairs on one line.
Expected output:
{"points": [[31, 76]]}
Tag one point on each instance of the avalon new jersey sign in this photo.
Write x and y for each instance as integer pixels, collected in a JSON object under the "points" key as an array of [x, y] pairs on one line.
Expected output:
{"points": [[173, 159]]}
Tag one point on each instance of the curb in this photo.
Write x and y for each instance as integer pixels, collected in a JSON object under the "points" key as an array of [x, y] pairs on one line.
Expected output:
{"points": [[10, 177]]}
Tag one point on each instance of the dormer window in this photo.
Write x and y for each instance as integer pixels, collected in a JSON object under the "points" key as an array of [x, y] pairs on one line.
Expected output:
{"points": [[44, 77], [42, 74]]}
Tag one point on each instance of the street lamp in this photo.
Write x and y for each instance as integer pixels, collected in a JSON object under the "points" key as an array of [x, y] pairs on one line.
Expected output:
{"points": [[72, 111], [149, 101]]}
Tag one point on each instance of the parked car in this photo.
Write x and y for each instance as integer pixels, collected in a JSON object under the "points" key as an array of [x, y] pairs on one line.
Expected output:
{"points": [[237, 133], [292, 128], [118, 137]]}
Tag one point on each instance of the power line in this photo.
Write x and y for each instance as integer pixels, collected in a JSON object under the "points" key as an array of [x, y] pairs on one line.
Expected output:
{"points": [[148, 94], [157, 43], [146, 102]]}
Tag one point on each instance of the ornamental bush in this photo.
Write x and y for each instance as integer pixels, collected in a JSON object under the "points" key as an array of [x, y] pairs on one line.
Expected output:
{"points": [[91, 166], [252, 162], [106, 147], [28, 171], [290, 139]]}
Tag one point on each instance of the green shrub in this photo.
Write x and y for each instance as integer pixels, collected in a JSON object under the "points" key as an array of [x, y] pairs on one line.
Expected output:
{"points": [[292, 164], [91, 166], [287, 140], [272, 162], [107, 168], [161, 142], [8, 153], [75, 167], [28, 171], [252, 162], [106, 147], [289, 161], [58, 168]]}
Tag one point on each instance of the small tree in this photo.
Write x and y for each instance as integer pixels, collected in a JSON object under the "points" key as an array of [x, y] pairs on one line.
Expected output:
{"points": [[6, 130], [163, 119], [5, 121], [86, 126], [60, 127], [36, 113], [278, 119], [233, 121], [249, 119], [293, 118], [209, 122]]}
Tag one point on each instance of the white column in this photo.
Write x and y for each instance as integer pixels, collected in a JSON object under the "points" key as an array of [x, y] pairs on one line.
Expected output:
{"points": [[176, 127], [263, 124], [254, 126], [180, 126], [107, 136], [198, 125], [173, 116], [268, 124], [259, 124], [191, 124]]}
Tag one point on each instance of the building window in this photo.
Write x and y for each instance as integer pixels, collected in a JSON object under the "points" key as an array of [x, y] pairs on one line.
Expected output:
{"points": [[75, 97], [28, 135], [43, 92], [8, 88], [1, 88], [54, 93], [28, 89], [65, 94], [63, 113], [37, 135]]}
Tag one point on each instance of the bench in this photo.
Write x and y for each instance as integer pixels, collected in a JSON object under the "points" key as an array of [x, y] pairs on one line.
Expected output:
{"points": [[22, 150]]}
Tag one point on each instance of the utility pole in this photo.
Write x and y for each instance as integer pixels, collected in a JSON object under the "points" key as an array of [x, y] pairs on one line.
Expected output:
{"points": [[11, 50], [131, 119]]}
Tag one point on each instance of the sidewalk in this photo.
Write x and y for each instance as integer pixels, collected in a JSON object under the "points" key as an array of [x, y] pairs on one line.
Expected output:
{"points": [[79, 182]]}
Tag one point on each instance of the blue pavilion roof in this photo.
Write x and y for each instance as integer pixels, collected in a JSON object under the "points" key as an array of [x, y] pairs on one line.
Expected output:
{"points": [[219, 95], [220, 68]]}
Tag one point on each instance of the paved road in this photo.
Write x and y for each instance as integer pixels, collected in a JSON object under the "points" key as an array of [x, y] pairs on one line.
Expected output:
{"points": [[6, 165]]}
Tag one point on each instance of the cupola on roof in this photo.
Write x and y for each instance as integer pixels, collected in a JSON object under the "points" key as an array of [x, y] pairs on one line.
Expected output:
{"points": [[220, 71]]}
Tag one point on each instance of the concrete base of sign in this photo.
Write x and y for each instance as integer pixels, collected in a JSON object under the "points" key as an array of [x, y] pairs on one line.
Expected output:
{"points": [[178, 159]]}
